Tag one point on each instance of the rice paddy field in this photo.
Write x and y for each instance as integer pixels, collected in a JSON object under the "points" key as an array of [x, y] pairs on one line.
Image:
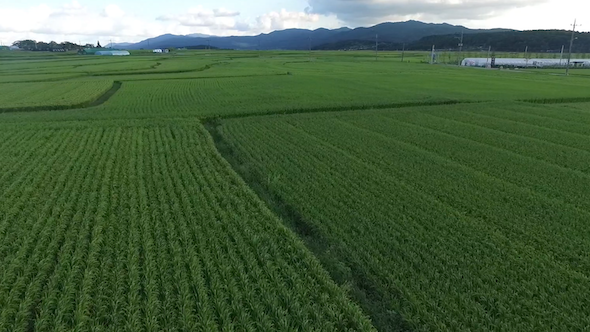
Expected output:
{"points": [[291, 191]]}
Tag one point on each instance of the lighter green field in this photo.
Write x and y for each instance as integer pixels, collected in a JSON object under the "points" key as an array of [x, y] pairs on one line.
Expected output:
{"points": [[285, 191]]}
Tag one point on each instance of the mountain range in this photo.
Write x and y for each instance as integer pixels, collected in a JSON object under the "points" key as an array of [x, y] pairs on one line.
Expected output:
{"points": [[301, 39]]}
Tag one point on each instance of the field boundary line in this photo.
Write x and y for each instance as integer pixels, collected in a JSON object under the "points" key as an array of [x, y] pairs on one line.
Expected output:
{"points": [[142, 72], [521, 122], [556, 100], [87, 104], [560, 145], [490, 146], [199, 77], [461, 165], [334, 109]]}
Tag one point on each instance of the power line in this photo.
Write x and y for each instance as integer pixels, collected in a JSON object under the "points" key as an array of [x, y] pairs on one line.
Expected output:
{"points": [[376, 46], [310, 47], [561, 55], [403, 51], [460, 48]]}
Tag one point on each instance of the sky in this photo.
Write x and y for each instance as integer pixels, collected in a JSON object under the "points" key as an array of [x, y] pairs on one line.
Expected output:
{"points": [[89, 21]]}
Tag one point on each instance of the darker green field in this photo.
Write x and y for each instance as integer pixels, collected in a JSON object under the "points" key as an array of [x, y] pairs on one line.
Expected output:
{"points": [[287, 191], [470, 217]]}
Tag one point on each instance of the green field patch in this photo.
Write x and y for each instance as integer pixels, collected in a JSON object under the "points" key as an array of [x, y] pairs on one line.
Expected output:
{"points": [[141, 225], [50, 96], [438, 218]]}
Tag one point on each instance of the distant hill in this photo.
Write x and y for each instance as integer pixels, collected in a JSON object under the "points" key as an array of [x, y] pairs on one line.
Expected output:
{"points": [[301, 39], [537, 41], [199, 35], [405, 32]]}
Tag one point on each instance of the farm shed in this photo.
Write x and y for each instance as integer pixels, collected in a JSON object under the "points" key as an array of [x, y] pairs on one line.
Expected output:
{"points": [[520, 62], [118, 53]]}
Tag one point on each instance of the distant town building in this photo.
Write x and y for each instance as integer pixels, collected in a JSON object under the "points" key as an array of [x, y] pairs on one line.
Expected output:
{"points": [[522, 63], [159, 50]]}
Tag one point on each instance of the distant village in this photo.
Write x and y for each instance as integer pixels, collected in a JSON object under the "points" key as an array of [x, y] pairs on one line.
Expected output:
{"points": [[87, 49]]}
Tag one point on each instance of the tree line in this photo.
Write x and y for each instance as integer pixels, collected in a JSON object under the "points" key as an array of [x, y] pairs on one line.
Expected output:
{"points": [[32, 45]]}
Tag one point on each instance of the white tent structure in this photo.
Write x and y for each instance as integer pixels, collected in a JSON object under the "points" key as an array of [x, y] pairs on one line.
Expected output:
{"points": [[519, 62], [112, 53]]}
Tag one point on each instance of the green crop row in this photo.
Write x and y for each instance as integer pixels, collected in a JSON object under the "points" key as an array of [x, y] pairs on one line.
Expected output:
{"points": [[144, 227], [441, 219]]}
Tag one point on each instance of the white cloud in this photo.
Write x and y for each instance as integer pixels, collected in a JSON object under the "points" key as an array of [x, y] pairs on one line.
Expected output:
{"points": [[286, 20], [77, 21], [216, 19], [73, 22], [222, 12], [113, 11], [82, 21], [362, 12], [223, 22]]}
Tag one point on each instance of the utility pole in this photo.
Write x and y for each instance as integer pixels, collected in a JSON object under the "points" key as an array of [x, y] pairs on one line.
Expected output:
{"points": [[403, 51], [310, 47], [432, 55], [526, 57], [488, 58], [460, 48], [376, 46], [569, 56], [561, 55]]}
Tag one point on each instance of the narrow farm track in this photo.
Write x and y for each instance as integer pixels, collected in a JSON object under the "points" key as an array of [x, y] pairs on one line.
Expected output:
{"points": [[107, 95]]}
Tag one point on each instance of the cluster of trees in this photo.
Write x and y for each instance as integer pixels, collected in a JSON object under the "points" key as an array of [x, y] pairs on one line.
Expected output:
{"points": [[32, 45], [512, 41], [540, 41]]}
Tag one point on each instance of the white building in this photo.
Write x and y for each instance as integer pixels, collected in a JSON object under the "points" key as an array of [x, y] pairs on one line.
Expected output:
{"points": [[519, 62]]}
